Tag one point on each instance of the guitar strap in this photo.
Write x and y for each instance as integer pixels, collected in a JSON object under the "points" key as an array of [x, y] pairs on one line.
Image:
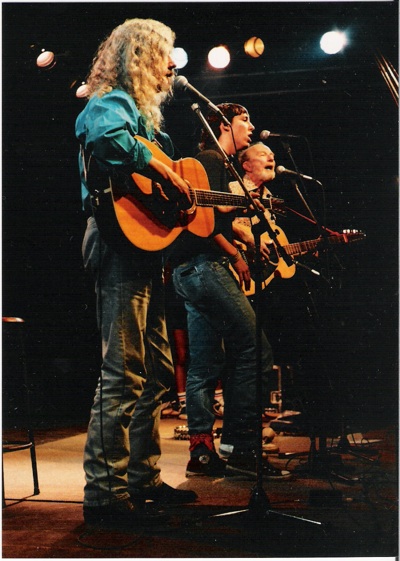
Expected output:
{"points": [[97, 182]]}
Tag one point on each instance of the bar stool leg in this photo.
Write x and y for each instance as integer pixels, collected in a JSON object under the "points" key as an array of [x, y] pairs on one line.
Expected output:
{"points": [[30, 442]]}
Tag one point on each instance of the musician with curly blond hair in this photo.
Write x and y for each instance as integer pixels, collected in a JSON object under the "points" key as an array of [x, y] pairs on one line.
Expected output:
{"points": [[130, 79]]}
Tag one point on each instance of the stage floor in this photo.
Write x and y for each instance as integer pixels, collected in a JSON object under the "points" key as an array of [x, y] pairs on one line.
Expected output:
{"points": [[346, 508]]}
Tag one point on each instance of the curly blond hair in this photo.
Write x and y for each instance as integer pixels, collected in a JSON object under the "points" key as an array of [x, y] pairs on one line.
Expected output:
{"points": [[134, 58]]}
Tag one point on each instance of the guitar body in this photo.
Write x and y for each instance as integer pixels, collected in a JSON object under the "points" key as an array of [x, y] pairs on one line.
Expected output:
{"points": [[282, 269], [152, 223], [276, 266], [151, 213]]}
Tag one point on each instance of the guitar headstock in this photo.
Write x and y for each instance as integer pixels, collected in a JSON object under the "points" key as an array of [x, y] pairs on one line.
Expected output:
{"points": [[353, 235]]}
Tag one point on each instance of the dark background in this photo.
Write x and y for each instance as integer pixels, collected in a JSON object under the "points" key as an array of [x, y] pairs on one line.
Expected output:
{"points": [[339, 330]]}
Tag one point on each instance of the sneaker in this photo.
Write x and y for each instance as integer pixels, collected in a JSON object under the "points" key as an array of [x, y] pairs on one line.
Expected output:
{"points": [[210, 465], [165, 495], [225, 450], [245, 464], [122, 513]]}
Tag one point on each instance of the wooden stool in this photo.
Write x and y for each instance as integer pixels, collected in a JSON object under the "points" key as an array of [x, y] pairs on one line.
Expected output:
{"points": [[16, 393]]}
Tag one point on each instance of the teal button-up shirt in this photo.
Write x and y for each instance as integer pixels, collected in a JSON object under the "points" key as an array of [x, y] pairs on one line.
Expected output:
{"points": [[106, 129]]}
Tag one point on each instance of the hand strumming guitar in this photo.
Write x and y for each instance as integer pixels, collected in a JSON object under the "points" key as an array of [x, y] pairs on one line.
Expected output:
{"points": [[244, 234], [173, 178]]}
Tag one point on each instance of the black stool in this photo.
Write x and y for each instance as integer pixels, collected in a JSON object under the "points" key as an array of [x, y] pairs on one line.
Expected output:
{"points": [[16, 394]]}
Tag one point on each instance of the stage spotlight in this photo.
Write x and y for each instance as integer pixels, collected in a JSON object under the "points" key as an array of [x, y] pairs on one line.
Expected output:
{"points": [[82, 91], [46, 60], [180, 57], [333, 42], [254, 47], [219, 57]]}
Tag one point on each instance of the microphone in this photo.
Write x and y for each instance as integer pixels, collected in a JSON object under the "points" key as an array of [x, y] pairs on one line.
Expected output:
{"points": [[181, 84], [267, 134], [281, 170]]}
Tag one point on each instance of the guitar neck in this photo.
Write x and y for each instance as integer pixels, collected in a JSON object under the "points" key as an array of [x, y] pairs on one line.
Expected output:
{"points": [[216, 198], [304, 247]]}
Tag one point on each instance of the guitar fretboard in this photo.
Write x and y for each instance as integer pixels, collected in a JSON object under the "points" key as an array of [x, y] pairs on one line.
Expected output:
{"points": [[304, 247], [215, 198]]}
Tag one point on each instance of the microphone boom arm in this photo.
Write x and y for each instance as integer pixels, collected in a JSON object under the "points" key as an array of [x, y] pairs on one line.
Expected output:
{"points": [[288, 150]]}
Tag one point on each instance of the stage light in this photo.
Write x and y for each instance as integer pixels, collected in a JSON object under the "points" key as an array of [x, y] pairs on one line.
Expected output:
{"points": [[254, 47], [46, 60], [82, 91], [333, 42], [180, 57], [219, 57]]}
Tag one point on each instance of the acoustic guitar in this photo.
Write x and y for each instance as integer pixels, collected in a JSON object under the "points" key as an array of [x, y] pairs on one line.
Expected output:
{"points": [[152, 223], [276, 266]]}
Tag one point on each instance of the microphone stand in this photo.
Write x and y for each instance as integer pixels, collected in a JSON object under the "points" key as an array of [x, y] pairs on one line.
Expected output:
{"points": [[259, 503], [323, 232]]}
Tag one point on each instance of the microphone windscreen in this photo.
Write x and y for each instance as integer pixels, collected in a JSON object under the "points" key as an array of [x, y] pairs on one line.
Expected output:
{"points": [[180, 83], [264, 135]]}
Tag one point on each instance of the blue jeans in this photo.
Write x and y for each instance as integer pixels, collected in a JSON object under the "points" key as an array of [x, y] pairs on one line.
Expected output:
{"points": [[123, 442], [221, 324]]}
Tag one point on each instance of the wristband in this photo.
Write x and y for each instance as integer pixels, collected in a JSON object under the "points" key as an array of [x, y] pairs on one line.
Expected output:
{"points": [[235, 258]]}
